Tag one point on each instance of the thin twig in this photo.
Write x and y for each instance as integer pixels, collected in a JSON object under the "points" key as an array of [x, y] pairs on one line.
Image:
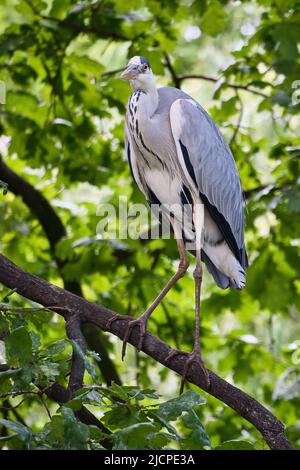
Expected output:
{"points": [[31, 309], [112, 72], [175, 78], [45, 406], [178, 79], [235, 86], [12, 407], [238, 126], [15, 393]]}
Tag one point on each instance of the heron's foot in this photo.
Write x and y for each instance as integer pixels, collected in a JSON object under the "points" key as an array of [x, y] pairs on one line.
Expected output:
{"points": [[141, 322], [115, 318], [175, 352], [194, 357]]}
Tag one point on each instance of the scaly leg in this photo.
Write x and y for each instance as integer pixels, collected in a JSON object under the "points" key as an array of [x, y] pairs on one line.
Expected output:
{"points": [[195, 356], [141, 322]]}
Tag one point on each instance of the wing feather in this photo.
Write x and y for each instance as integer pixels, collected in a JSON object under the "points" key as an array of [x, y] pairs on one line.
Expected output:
{"points": [[209, 166]]}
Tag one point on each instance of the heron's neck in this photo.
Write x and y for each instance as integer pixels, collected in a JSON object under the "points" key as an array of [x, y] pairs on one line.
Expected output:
{"points": [[149, 100]]}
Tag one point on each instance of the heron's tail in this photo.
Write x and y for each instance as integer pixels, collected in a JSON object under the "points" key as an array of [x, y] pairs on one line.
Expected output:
{"points": [[221, 279], [224, 267]]}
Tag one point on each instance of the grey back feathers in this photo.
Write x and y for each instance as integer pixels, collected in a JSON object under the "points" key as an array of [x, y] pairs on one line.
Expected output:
{"points": [[182, 149]]}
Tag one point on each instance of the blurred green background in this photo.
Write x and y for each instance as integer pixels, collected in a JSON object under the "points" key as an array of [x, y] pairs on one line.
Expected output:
{"points": [[62, 132]]}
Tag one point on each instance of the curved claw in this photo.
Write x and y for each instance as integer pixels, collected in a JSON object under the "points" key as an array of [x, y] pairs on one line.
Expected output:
{"points": [[114, 318], [196, 358], [141, 323], [175, 352]]}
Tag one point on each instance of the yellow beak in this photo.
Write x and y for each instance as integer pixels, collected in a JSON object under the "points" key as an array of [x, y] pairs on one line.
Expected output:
{"points": [[130, 73]]}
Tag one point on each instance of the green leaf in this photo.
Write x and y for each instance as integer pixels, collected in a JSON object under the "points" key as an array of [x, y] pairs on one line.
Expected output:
{"points": [[60, 8], [137, 436], [281, 98], [235, 445], [22, 431], [19, 347], [197, 438], [85, 396], [89, 366], [26, 104], [5, 299], [57, 347], [288, 385], [84, 64], [172, 409], [121, 416], [53, 432], [9, 373], [76, 434], [4, 187], [118, 391], [213, 21], [49, 369]]}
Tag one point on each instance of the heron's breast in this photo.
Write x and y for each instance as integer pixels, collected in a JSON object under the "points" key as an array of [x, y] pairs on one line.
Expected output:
{"points": [[165, 187]]}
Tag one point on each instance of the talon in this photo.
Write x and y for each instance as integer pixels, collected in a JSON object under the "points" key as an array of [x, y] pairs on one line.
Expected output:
{"points": [[111, 321], [175, 352], [194, 357], [141, 323], [115, 318]]}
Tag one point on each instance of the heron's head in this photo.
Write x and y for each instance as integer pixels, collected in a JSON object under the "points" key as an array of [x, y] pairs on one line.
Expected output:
{"points": [[139, 73]]}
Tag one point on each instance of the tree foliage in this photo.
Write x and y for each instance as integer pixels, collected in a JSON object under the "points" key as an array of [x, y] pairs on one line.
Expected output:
{"points": [[62, 132]]}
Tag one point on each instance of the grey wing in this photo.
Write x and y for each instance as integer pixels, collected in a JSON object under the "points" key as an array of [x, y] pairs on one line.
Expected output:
{"points": [[208, 164]]}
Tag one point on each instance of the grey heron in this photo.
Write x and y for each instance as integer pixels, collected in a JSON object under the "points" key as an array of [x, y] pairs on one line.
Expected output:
{"points": [[178, 156]]}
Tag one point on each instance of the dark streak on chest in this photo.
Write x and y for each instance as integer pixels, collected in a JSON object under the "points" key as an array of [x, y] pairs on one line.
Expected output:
{"points": [[134, 128]]}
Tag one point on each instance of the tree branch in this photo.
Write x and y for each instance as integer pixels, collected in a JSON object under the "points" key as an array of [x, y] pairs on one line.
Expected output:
{"points": [[48, 295], [237, 127], [235, 86], [178, 79], [174, 76], [74, 333]]}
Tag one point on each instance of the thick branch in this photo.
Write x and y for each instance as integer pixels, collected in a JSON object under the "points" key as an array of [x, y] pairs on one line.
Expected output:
{"points": [[48, 295], [74, 333]]}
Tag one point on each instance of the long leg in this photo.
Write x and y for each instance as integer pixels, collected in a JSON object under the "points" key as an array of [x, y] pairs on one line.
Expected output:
{"points": [[195, 356], [141, 322]]}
